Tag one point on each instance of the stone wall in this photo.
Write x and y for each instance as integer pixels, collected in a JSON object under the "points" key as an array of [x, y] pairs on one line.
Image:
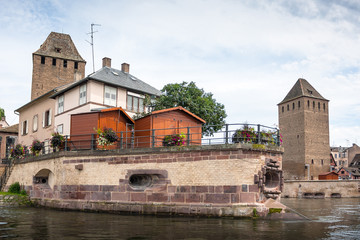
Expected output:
{"points": [[321, 188], [211, 177]]}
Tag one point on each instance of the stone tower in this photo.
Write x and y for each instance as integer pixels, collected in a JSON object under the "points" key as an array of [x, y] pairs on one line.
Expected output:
{"points": [[304, 126], [56, 63]]}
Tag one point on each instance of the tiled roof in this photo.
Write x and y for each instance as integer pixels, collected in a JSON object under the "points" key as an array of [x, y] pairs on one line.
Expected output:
{"points": [[12, 129], [302, 88], [116, 78], [59, 45]]}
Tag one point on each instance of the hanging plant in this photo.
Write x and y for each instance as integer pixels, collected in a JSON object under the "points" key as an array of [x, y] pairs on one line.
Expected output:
{"points": [[36, 147], [17, 152], [174, 140], [106, 137], [57, 141]]}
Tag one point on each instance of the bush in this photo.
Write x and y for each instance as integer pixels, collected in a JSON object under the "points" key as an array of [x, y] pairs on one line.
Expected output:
{"points": [[174, 140], [14, 188], [23, 192]]}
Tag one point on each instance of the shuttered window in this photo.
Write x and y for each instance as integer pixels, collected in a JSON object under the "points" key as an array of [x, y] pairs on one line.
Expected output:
{"points": [[61, 104], [82, 94], [110, 96]]}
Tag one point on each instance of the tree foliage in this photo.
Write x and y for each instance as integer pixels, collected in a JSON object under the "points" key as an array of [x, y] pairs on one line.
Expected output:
{"points": [[194, 99], [2, 113]]}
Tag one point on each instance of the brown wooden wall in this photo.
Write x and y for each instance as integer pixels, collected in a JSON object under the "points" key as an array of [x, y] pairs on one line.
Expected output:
{"points": [[142, 132], [82, 127]]}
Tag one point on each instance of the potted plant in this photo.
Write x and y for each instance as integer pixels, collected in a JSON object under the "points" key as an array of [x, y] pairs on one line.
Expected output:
{"points": [[36, 147], [17, 152], [245, 135], [106, 137], [174, 140], [57, 141]]}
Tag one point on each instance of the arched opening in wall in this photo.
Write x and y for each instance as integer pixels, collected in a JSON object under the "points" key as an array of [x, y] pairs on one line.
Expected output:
{"points": [[142, 181], [272, 179], [44, 177]]}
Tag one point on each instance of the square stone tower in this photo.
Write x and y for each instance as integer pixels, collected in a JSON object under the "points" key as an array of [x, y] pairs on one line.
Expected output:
{"points": [[304, 126], [56, 63]]}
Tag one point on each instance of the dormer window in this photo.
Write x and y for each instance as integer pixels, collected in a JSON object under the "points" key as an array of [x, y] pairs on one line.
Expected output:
{"points": [[58, 50], [309, 91]]}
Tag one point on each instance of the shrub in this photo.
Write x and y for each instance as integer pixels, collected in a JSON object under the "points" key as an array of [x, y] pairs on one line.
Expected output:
{"points": [[174, 140], [36, 147], [14, 188]]}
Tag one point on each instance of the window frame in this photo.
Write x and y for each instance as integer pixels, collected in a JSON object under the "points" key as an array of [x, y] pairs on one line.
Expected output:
{"points": [[61, 104], [130, 100], [109, 100], [47, 118], [35, 123], [82, 94], [24, 127]]}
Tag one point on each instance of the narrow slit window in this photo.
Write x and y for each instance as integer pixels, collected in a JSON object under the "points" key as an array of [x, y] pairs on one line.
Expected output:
{"points": [[65, 64], [42, 60], [54, 61]]}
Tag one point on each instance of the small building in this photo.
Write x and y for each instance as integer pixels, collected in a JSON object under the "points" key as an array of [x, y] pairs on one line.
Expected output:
{"points": [[349, 173], [329, 176], [84, 125], [8, 139], [151, 129]]}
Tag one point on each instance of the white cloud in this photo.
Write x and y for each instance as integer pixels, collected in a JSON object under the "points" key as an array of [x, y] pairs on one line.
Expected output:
{"points": [[248, 53]]}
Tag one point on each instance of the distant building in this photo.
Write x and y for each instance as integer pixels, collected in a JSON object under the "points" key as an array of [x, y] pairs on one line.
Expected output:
{"points": [[3, 123], [304, 126], [343, 156], [8, 139]]}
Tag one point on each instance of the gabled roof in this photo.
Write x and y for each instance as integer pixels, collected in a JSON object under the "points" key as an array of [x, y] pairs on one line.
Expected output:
{"points": [[118, 109], [117, 78], [302, 88], [59, 45], [328, 173], [180, 109]]}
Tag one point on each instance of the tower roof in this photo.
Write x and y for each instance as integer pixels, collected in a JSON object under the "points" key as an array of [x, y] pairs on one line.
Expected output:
{"points": [[59, 45], [302, 88]]}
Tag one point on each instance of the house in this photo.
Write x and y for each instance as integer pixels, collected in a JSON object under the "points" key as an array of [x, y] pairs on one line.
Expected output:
{"points": [[8, 139], [151, 129], [344, 155], [329, 176], [83, 126], [349, 173], [106, 88], [3, 123]]}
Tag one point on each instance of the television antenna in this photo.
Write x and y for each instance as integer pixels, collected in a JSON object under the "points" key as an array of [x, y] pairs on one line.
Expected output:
{"points": [[92, 42]]}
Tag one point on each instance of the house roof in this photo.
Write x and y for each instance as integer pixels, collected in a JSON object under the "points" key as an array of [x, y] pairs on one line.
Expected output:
{"points": [[180, 109], [353, 170], [302, 88], [328, 173], [12, 129], [356, 161], [116, 78], [118, 109], [44, 96], [59, 45]]}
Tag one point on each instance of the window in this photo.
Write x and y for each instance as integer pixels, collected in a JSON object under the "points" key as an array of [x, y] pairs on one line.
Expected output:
{"points": [[282, 108], [24, 127], [82, 94], [318, 105], [288, 107], [298, 104], [312, 161], [42, 60], [135, 104], [60, 128], [61, 104], [47, 118], [65, 64], [76, 65], [110, 96], [335, 155], [58, 50], [293, 106], [308, 103], [54, 62], [35, 123], [313, 104], [324, 106], [322, 162]]}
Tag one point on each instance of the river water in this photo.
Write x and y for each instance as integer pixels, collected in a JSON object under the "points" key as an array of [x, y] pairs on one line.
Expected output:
{"points": [[331, 219]]}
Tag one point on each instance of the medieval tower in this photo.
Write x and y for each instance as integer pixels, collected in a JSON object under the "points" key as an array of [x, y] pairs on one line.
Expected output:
{"points": [[56, 63], [304, 126]]}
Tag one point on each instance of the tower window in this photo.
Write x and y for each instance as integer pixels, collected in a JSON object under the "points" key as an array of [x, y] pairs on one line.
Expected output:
{"points": [[319, 106], [313, 104], [312, 161], [76, 65], [282, 108], [308, 103], [324, 106], [293, 106], [54, 62], [298, 104], [58, 50], [42, 59], [65, 64], [322, 162], [288, 107]]}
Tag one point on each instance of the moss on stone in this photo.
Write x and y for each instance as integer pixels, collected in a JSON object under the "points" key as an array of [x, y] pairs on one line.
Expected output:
{"points": [[275, 210], [258, 146], [255, 214]]}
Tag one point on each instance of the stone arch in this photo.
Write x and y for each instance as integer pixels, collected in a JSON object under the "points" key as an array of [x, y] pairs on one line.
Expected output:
{"points": [[44, 177]]}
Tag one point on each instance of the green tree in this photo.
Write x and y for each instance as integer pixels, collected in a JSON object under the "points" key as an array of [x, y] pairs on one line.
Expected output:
{"points": [[194, 99], [2, 113]]}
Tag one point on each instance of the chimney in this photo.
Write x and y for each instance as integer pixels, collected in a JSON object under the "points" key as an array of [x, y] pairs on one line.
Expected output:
{"points": [[106, 62], [125, 67]]}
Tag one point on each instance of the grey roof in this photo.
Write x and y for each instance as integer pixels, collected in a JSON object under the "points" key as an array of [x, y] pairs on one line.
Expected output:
{"points": [[61, 42], [356, 161], [116, 78], [353, 170], [302, 88]]}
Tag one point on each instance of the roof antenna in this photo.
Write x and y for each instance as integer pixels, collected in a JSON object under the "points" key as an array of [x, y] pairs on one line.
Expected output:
{"points": [[92, 42]]}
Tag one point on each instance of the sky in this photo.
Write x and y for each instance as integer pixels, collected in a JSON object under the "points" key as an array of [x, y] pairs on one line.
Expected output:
{"points": [[247, 53]]}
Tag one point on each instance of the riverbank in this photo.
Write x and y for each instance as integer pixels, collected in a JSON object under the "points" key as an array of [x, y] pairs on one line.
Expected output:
{"points": [[13, 199]]}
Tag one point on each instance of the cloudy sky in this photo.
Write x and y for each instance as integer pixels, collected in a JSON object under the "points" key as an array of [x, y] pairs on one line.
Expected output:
{"points": [[247, 53]]}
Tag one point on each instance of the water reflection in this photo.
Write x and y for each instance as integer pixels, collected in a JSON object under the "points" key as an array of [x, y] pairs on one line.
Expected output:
{"points": [[332, 219]]}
